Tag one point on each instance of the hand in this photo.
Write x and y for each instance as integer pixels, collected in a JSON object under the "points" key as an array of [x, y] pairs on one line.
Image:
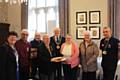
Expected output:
{"points": [[56, 59], [88, 63]]}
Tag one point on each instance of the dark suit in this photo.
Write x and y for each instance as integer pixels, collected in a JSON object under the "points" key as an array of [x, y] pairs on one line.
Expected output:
{"points": [[110, 58], [8, 64], [46, 67], [54, 44]]}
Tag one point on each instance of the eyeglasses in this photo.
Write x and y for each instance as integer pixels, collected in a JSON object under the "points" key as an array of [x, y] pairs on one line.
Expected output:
{"points": [[25, 34]]}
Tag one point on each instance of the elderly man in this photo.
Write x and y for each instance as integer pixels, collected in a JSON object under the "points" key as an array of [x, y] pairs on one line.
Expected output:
{"points": [[56, 41], [88, 57], [109, 47], [23, 47]]}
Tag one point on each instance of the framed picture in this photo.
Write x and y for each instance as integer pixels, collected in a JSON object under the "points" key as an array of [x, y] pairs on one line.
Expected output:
{"points": [[95, 32], [81, 17], [94, 17], [80, 31]]}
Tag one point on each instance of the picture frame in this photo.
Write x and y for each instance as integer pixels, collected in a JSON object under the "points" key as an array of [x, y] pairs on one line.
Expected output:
{"points": [[79, 32], [94, 17], [95, 32], [81, 18]]}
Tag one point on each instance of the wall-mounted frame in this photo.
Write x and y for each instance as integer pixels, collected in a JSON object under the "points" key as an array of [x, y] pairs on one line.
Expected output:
{"points": [[94, 17], [79, 32], [95, 32], [81, 18]]}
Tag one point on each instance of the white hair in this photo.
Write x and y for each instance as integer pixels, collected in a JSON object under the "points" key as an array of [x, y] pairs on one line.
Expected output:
{"points": [[87, 33], [56, 28], [24, 30]]}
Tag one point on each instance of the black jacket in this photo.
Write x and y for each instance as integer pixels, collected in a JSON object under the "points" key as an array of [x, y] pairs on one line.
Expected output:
{"points": [[54, 45], [44, 59], [111, 58], [8, 63], [35, 44]]}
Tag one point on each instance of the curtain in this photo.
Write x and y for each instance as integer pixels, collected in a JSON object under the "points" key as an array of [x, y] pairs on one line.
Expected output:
{"points": [[24, 16], [114, 17], [64, 16]]}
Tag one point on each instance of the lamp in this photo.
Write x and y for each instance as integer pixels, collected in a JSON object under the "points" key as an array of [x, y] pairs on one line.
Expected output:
{"points": [[14, 1]]}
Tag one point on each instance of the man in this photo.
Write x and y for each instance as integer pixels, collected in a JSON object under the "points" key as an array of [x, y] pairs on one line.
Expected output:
{"points": [[34, 44], [23, 47], [56, 41], [109, 47]]}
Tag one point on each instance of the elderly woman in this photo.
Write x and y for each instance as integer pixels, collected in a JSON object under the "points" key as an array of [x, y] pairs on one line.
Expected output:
{"points": [[9, 64], [70, 52], [45, 54], [88, 54]]}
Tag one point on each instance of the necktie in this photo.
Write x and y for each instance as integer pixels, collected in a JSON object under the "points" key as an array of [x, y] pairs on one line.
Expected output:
{"points": [[57, 40]]}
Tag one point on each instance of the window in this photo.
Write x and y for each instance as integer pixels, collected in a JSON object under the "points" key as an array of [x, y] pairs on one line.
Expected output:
{"points": [[42, 16]]}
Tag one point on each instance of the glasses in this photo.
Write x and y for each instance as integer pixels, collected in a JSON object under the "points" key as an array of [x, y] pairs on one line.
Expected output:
{"points": [[25, 34]]}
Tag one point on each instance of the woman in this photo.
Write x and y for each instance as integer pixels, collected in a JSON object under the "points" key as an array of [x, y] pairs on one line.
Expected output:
{"points": [[88, 55], [70, 52], [45, 54], [9, 66]]}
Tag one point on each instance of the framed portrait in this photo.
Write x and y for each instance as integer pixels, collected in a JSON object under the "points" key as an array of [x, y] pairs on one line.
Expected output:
{"points": [[95, 32], [81, 17], [94, 17], [80, 31]]}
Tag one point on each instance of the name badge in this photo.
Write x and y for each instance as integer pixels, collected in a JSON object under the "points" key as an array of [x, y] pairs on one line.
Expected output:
{"points": [[104, 52]]}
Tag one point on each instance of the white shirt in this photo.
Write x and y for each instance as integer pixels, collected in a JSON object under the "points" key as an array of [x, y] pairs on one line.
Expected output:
{"points": [[67, 51]]}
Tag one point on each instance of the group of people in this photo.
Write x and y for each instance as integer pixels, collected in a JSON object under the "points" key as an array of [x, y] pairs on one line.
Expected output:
{"points": [[20, 59]]}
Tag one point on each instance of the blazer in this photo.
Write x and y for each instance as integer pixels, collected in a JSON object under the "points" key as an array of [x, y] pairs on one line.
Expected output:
{"points": [[74, 59], [35, 44], [54, 45], [111, 58], [44, 59], [8, 64]]}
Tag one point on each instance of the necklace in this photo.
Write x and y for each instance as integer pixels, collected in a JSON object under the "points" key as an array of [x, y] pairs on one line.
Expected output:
{"points": [[58, 42]]}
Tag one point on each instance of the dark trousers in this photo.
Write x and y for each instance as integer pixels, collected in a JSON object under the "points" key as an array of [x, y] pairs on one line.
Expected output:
{"points": [[89, 75], [46, 76], [34, 67], [58, 71], [70, 73], [24, 75], [108, 73]]}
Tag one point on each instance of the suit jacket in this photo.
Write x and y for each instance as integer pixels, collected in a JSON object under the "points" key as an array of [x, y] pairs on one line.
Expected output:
{"points": [[8, 63], [35, 44], [44, 60], [111, 58], [54, 44]]}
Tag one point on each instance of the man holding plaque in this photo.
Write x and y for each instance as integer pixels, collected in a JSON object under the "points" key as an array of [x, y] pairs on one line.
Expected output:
{"points": [[56, 41], [109, 47]]}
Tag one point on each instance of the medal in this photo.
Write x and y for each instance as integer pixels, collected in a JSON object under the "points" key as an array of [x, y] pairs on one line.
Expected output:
{"points": [[58, 43], [104, 52], [58, 47]]}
